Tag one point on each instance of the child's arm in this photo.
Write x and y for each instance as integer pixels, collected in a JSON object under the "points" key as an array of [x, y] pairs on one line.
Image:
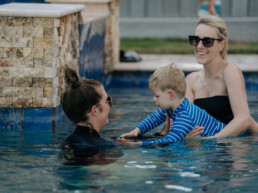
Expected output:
{"points": [[177, 132], [147, 124]]}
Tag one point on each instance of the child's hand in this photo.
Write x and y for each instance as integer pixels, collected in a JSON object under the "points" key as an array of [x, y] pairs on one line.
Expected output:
{"points": [[133, 134]]}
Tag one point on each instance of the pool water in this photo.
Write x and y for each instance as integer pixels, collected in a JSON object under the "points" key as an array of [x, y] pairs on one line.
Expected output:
{"points": [[32, 161]]}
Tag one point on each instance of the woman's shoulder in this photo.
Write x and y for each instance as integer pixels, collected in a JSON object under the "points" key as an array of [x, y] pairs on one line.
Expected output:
{"points": [[230, 67], [193, 76]]}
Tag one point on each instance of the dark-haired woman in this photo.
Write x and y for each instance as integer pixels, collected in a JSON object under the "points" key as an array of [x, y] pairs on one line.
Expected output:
{"points": [[87, 105]]}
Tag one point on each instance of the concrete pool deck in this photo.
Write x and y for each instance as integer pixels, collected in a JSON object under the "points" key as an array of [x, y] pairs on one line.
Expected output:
{"points": [[150, 62]]}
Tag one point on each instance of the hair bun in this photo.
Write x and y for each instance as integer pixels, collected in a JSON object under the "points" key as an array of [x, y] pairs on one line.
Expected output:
{"points": [[72, 78]]}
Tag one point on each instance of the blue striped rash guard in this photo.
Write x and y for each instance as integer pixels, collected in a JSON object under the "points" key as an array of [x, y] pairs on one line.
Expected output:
{"points": [[185, 118]]}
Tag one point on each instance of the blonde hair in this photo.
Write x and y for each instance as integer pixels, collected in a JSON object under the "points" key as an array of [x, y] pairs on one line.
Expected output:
{"points": [[168, 77], [218, 23]]}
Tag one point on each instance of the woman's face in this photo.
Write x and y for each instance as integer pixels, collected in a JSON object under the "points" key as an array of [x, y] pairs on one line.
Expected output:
{"points": [[204, 54], [104, 106]]}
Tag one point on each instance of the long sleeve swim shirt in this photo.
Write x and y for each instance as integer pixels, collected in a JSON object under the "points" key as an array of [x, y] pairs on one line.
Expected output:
{"points": [[185, 118]]}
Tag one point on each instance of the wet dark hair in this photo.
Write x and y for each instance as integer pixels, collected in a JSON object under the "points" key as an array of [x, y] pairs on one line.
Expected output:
{"points": [[79, 96]]}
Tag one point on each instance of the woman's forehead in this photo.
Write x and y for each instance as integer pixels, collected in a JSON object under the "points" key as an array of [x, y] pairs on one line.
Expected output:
{"points": [[206, 30]]}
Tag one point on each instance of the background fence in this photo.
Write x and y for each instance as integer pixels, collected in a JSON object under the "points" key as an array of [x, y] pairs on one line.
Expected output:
{"points": [[184, 8], [177, 18]]}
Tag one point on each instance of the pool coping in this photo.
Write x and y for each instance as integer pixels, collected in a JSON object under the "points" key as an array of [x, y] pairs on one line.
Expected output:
{"points": [[150, 62]]}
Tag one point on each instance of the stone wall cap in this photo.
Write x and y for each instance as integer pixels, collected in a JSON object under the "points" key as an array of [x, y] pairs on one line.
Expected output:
{"points": [[79, 1], [39, 10]]}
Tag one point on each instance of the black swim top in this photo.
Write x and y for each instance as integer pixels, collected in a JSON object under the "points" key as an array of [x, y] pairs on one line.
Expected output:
{"points": [[217, 106], [87, 138], [85, 147]]}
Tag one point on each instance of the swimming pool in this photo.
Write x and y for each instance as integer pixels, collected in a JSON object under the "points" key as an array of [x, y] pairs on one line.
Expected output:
{"points": [[31, 160]]}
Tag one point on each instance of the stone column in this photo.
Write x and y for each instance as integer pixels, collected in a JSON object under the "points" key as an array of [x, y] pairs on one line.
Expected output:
{"points": [[95, 9], [36, 43]]}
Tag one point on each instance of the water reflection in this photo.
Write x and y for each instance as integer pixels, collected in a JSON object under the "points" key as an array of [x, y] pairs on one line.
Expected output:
{"points": [[91, 156]]}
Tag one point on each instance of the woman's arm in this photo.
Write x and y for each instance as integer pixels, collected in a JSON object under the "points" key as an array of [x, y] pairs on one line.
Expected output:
{"points": [[235, 85]]}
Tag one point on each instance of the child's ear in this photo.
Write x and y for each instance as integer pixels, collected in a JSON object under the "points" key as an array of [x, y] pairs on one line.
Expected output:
{"points": [[172, 94]]}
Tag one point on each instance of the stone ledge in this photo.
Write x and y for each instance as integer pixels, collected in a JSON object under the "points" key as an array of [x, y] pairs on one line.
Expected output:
{"points": [[34, 10], [247, 63]]}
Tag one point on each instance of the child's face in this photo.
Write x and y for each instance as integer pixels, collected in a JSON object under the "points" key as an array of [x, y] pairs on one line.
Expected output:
{"points": [[162, 99]]}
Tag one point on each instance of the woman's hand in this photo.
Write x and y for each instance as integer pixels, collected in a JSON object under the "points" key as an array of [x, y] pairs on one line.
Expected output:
{"points": [[133, 134], [196, 132], [165, 130]]}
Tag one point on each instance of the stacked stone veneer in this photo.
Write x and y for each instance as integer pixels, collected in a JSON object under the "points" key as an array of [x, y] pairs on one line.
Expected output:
{"points": [[33, 54], [100, 19]]}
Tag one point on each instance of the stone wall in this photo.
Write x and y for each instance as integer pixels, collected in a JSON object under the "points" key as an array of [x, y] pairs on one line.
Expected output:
{"points": [[100, 19], [34, 52]]}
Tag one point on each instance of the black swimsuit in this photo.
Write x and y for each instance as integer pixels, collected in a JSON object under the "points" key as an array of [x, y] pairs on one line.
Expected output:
{"points": [[217, 106], [85, 146]]}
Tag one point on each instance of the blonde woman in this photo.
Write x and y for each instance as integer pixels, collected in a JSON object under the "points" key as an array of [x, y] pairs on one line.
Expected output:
{"points": [[219, 88]]}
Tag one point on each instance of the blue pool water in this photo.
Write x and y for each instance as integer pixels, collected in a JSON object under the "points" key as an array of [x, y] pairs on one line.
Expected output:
{"points": [[32, 161]]}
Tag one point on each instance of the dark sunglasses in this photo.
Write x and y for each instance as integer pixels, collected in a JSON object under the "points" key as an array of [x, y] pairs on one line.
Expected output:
{"points": [[109, 101], [207, 42]]}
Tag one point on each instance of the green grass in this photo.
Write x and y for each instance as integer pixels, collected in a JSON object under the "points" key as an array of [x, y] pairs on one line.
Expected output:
{"points": [[179, 46]]}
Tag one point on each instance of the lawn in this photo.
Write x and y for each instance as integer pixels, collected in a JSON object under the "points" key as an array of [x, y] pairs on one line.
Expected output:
{"points": [[179, 46]]}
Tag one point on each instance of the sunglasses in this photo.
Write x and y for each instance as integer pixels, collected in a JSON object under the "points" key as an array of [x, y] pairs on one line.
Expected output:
{"points": [[109, 101], [207, 42]]}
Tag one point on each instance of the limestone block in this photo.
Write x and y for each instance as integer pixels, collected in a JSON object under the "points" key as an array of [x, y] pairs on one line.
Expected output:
{"points": [[22, 81], [5, 82], [56, 22], [33, 92], [20, 21], [6, 42], [38, 52], [43, 42], [47, 92], [42, 102], [49, 72], [56, 101], [48, 52], [1, 52], [43, 22], [5, 62], [22, 102], [23, 42], [42, 62], [12, 52], [6, 102], [12, 32], [42, 82], [32, 72], [48, 32], [22, 62], [11, 92], [30, 31]]}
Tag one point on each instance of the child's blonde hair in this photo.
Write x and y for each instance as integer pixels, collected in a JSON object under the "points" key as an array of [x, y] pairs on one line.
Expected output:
{"points": [[168, 77]]}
